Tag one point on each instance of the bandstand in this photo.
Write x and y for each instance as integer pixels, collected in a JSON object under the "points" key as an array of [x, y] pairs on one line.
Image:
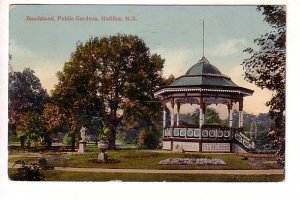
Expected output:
{"points": [[203, 85]]}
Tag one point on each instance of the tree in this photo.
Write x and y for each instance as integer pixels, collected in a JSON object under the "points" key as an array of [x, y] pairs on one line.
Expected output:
{"points": [[53, 119], [168, 81], [105, 75], [266, 69], [25, 94], [253, 130], [141, 117], [211, 116], [76, 96], [31, 129], [149, 138]]}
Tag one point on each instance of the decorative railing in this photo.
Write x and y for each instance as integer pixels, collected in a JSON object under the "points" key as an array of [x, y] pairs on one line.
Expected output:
{"points": [[210, 133], [244, 140], [207, 132]]}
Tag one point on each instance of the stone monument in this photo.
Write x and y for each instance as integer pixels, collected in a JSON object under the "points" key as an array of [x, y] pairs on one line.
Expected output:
{"points": [[82, 142], [102, 156]]}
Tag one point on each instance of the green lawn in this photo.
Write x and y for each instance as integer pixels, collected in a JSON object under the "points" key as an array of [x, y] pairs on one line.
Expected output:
{"points": [[52, 175], [13, 141], [145, 159], [140, 159]]}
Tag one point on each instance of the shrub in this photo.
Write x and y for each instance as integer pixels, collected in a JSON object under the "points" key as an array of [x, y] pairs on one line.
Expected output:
{"points": [[148, 138], [67, 140], [27, 172], [43, 163], [129, 137], [31, 130]]}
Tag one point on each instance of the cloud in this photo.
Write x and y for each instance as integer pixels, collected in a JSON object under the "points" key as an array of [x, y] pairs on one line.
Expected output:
{"points": [[178, 61], [228, 47]]}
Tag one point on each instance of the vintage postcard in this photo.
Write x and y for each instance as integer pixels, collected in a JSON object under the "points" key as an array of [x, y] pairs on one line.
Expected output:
{"points": [[146, 93], [172, 92]]}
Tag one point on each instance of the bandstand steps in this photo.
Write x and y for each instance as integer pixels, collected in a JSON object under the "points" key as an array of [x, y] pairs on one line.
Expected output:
{"points": [[240, 145]]}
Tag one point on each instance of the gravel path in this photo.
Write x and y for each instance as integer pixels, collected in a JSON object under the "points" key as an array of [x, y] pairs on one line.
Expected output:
{"points": [[155, 171]]}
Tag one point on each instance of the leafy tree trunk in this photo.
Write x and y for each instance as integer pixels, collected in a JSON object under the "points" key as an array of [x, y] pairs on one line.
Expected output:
{"points": [[73, 142], [22, 141], [28, 144], [114, 122], [112, 139], [112, 128]]}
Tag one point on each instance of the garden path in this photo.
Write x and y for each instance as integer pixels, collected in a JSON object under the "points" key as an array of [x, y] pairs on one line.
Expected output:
{"points": [[155, 171]]}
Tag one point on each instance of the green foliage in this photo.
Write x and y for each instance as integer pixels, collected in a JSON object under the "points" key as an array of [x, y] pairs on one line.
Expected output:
{"points": [[264, 141], [67, 140], [25, 94], [104, 134], [13, 140], [211, 117], [104, 75], [168, 81], [149, 138], [263, 123], [27, 172], [31, 129], [53, 118], [138, 117], [266, 68]]}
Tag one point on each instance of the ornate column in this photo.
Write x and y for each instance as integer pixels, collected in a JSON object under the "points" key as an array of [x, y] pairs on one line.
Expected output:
{"points": [[204, 111], [201, 115], [178, 113], [230, 114], [241, 113], [164, 113], [172, 113]]}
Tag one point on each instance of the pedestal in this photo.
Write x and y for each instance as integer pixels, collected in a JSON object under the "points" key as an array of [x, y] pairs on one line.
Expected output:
{"points": [[102, 157], [82, 147]]}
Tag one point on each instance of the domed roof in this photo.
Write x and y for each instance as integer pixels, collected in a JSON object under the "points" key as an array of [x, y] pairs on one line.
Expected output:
{"points": [[204, 73], [202, 67], [203, 77]]}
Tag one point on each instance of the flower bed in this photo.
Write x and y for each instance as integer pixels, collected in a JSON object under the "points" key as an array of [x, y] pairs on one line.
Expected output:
{"points": [[192, 161], [57, 159], [253, 155]]}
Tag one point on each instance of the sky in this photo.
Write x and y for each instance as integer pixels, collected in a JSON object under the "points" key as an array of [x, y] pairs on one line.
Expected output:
{"points": [[174, 32]]}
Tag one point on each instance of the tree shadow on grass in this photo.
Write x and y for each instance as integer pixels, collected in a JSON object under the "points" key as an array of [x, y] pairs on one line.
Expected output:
{"points": [[109, 161]]}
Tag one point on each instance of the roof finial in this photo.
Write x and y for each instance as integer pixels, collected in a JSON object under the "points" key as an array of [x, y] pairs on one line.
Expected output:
{"points": [[203, 40]]}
